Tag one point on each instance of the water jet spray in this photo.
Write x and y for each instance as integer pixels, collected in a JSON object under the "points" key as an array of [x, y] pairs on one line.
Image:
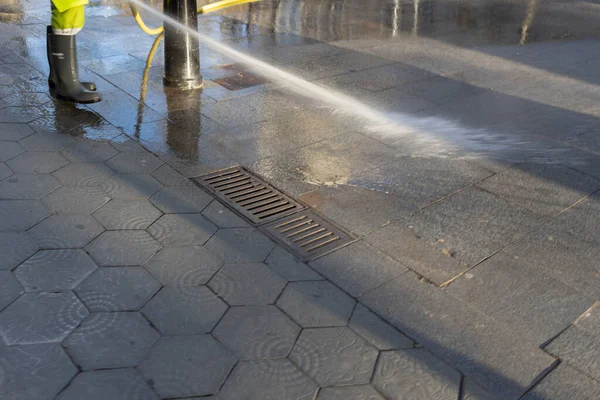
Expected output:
{"points": [[420, 137]]}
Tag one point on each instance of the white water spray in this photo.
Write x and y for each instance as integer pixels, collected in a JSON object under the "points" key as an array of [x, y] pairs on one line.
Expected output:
{"points": [[421, 136]]}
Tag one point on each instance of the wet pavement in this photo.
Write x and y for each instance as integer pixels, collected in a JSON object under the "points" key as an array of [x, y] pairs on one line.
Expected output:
{"points": [[474, 273]]}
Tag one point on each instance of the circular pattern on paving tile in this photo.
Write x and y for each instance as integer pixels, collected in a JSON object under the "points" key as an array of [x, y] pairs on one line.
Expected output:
{"points": [[334, 356], [267, 379], [127, 214], [415, 373], [41, 318], [256, 332], [83, 174], [131, 186], [182, 229], [117, 289], [75, 200], [184, 266]]}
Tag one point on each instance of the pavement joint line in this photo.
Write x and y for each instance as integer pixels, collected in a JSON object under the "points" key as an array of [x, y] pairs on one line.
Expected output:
{"points": [[541, 376], [543, 223]]}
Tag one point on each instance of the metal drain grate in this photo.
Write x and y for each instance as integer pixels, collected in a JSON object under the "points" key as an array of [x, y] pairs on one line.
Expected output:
{"points": [[308, 235], [249, 195], [241, 78]]}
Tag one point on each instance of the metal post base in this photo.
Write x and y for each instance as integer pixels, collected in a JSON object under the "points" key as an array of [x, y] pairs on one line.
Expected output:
{"points": [[182, 51]]}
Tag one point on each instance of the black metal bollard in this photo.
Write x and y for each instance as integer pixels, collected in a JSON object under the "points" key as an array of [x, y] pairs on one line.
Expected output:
{"points": [[182, 53]]}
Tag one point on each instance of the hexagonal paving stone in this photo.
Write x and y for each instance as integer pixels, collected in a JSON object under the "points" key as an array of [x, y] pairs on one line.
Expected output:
{"points": [[361, 392], [134, 163], [5, 172], [184, 266], [15, 248], [46, 141], [254, 332], [181, 199], [119, 384], [185, 310], [223, 217], [26, 99], [313, 304], [182, 230], [20, 215], [247, 284], [66, 231], [286, 265], [126, 145], [17, 115], [34, 372], [83, 174], [169, 177], [89, 151], [10, 150], [54, 270], [334, 356], [10, 289], [123, 248], [131, 186], [111, 340], [268, 379], [15, 132], [75, 200], [37, 162], [376, 331], [240, 245], [117, 289], [127, 214], [185, 366], [27, 186], [41, 318], [415, 374]]}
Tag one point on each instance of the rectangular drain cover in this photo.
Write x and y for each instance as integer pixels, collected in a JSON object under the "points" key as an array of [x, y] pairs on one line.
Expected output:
{"points": [[249, 195], [308, 235]]}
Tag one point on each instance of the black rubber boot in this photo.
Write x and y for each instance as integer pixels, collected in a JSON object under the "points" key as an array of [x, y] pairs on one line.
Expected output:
{"points": [[64, 77], [52, 77]]}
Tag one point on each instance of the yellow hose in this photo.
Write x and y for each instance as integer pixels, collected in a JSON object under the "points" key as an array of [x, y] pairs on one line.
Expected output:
{"points": [[141, 24], [219, 5], [144, 88]]}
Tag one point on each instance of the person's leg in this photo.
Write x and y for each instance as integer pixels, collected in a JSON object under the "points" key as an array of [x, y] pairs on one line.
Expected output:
{"points": [[62, 57], [69, 22]]}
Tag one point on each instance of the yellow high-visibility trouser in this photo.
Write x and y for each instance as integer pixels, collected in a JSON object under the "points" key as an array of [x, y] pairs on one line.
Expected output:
{"points": [[68, 16]]}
